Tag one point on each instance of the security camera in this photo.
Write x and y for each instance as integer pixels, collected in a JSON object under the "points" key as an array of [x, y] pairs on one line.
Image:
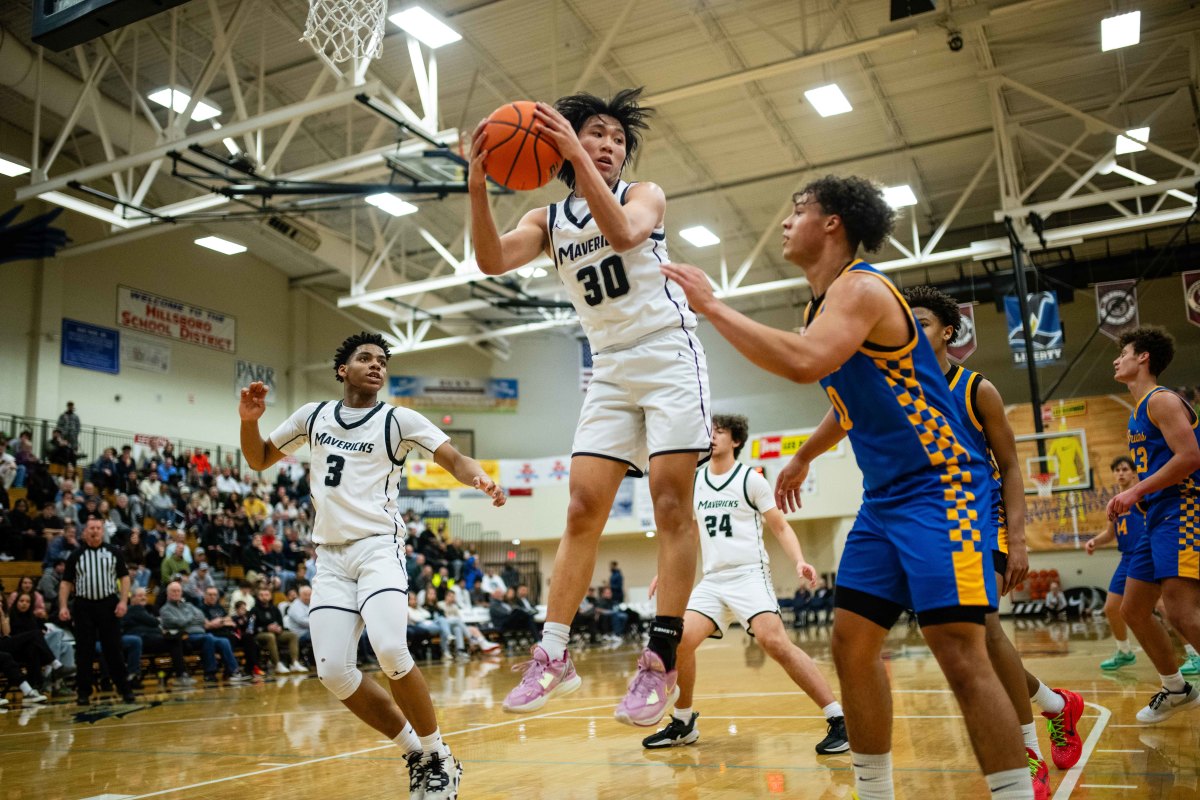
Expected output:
{"points": [[954, 41]]}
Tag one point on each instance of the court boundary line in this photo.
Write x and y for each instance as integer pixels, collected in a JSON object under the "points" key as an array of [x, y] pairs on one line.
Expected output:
{"points": [[1069, 781]]}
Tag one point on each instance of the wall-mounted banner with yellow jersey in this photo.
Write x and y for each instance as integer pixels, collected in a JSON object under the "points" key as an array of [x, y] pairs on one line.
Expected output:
{"points": [[428, 475]]}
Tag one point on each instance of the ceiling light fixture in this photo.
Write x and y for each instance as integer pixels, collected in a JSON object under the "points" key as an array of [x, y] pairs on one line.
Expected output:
{"points": [[1132, 141], [12, 168], [700, 236], [828, 100], [425, 27], [390, 203], [899, 196], [221, 245], [1122, 30], [178, 100]]}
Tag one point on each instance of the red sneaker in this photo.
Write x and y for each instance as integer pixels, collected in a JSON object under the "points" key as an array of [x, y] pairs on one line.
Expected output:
{"points": [[1065, 744], [257, 671], [1040, 774]]}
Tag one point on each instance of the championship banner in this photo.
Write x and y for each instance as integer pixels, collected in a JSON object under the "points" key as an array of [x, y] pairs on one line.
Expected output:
{"points": [[174, 319], [964, 344], [246, 373], [454, 394], [552, 471], [1045, 326], [1191, 295], [428, 475], [1117, 307]]}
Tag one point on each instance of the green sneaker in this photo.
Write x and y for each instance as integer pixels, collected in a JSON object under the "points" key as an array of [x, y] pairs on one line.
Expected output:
{"points": [[1191, 666], [1119, 659]]}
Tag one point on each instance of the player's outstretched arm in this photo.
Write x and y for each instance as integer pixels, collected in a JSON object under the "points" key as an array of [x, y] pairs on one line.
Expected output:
{"points": [[468, 472], [854, 304], [496, 254], [1109, 534], [1003, 445], [259, 453], [1167, 412], [790, 544]]}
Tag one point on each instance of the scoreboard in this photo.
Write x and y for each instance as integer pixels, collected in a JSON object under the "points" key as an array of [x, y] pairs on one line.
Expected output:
{"points": [[60, 24]]}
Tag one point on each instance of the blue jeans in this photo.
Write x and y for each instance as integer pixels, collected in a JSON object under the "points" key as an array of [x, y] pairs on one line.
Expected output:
{"points": [[450, 629], [141, 578], [210, 646], [131, 646]]}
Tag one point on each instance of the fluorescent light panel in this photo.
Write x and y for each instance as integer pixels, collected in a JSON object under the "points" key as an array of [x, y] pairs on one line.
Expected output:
{"points": [[1122, 30], [84, 207], [899, 196], [424, 27], [178, 100], [386, 201], [1126, 144], [11, 168], [828, 100], [700, 236], [221, 245]]}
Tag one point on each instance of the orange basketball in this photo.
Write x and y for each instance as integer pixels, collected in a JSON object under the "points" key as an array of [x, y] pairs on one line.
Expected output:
{"points": [[518, 157]]}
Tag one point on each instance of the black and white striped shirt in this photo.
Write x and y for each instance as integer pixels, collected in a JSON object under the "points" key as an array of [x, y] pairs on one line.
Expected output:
{"points": [[94, 571]]}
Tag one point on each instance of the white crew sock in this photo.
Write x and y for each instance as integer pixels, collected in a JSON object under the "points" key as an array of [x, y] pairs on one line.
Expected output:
{"points": [[1029, 734], [555, 637], [1123, 646], [1049, 700], [682, 714], [832, 710], [1011, 784], [407, 739], [433, 742], [873, 776], [26, 689], [1173, 683]]}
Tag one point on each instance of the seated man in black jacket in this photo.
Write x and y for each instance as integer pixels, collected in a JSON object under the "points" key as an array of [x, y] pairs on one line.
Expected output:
{"points": [[508, 619], [219, 622], [140, 621], [269, 633]]}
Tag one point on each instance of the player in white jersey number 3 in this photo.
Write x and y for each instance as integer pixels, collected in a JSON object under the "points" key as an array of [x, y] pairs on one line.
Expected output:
{"points": [[648, 403], [358, 447], [732, 501]]}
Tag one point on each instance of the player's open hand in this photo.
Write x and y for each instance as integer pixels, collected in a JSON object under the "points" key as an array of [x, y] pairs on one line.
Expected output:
{"points": [[788, 484], [491, 489], [695, 284], [477, 174], [253, 401], [806, 572], [1123, 502], [558, 130]]}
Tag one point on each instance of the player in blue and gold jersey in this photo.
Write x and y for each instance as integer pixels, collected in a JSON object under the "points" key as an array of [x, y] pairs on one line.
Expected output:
{"points": [[922, 536], [1164, 443], [1126, 530]]}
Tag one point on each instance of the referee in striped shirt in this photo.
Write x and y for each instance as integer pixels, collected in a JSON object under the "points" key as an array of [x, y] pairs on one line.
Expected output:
{"points": [[97, 576]]}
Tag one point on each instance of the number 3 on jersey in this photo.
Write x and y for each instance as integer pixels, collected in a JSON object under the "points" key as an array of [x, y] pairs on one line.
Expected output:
{"points": [[334, 474], [606, 280], [721, 523]]}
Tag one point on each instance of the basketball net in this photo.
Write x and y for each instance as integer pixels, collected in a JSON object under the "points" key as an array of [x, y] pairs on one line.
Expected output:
{"points": [[1044, 481], [345, 30]]}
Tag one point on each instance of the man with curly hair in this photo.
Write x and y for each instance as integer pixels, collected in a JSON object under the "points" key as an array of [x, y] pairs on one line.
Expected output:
{"points": [[647, 406], [922, 532], [359, 445], [1164, 443]]}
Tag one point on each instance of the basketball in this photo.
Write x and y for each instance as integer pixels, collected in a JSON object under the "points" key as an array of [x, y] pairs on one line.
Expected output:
{"points": [[518, 157]]}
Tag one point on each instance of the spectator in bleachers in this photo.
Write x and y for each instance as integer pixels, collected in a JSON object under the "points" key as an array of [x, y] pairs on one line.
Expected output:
{"points": [[28, 543], [414, 563], [26, 585], [51, 578], [491, 582], [123, 515], [155, 554], [67, 507], [1056, 601], [168, 473], [227, 483], [199, 582], [174, 564], [253, 556], [423, 580], [149, 486], [19, 669], [255, 508], [220, 623], [62, 545], [450, 629], [800, 601], [296, 619], [269, 634], [11, 474], [179, 616], [586, 620], [243, 593], [279, 565], [612, 620], [454, 558], [141, 622], [162, 505], [507, 619], [201, 464], [134, 553], [126, 472], [510, 574], [70, 425], [442, 582], [104, 471], [60, 453], [616, 582], [421, 627]]}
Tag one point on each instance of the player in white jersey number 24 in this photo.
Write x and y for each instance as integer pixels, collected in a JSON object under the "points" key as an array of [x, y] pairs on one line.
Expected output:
{"points": [[358, 446], [732, 501]]}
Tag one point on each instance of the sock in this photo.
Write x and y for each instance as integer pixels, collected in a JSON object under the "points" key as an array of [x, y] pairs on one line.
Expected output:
{"points": [[873, 776], [832, 710], [26, 689], [1123, 646], [407, 739], [665, 634], [1011, 784], [1050, 701], [56, 664], [555, 637], [1029, 734], [682, 714], [1173, 683], [433, 742], [1191, 651]]}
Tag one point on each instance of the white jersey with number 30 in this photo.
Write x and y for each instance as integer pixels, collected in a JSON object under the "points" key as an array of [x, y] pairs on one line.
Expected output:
{"points": [[729, 510], [620, 297], [357, 458]]}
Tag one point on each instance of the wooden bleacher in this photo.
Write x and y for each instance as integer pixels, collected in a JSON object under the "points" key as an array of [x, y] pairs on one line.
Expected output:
{"points": [[12, 571]]}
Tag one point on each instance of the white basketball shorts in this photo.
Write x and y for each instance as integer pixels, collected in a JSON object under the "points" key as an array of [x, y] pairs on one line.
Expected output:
{"points": [[730, 594], [646, 400], [348, 575]]}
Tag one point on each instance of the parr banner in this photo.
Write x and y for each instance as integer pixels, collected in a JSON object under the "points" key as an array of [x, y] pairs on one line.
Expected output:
{"points": [[247, 373], [454, 394], [428, 475], [963, 345], [1045, 327], [1116, 307], [174, 319], [1191, 295]]}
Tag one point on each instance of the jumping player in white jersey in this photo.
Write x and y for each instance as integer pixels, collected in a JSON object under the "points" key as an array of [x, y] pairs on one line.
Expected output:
{"points": [[647, 406], [732, 501], [359, 446]]}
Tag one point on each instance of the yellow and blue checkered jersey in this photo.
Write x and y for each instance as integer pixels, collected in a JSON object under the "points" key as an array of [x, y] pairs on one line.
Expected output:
{"points": [[964, 389], [1149, 451], [1130, 526], [895, 405]]}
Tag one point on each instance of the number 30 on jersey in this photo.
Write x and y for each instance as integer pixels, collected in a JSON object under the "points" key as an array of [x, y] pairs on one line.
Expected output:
{"points": [[606, 280]]}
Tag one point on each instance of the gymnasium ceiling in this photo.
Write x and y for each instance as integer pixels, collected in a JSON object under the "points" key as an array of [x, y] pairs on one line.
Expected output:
{"points": [[733, 137]]}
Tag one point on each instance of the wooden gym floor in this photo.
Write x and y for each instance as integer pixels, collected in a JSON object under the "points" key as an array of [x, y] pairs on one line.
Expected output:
{"points": [[290, 739]]}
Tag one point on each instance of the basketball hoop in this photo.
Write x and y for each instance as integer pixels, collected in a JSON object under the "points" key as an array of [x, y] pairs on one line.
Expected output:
{"points": [[1044, 481], [343, 30]]}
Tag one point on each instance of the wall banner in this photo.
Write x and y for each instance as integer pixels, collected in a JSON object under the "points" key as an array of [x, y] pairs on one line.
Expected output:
{"points": [[174, 319], [90, 347]]}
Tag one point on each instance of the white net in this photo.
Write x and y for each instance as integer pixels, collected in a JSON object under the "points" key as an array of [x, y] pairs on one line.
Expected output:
{"points": [[1044, 482], [345, 29]]}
